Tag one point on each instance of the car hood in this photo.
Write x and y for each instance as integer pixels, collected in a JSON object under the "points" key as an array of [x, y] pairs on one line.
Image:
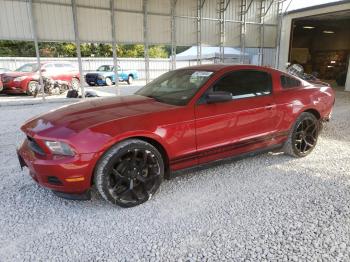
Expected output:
{"points": [[99, 73], [69, 120], [17, 74]]}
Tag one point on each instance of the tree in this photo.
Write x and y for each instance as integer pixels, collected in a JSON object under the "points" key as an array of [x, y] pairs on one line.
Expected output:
{"points": [[16, 48], [158, 51], [54, 49]]}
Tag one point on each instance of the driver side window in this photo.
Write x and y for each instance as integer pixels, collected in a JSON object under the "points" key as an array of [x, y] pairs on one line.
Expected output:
{"points": [[245, 83]]}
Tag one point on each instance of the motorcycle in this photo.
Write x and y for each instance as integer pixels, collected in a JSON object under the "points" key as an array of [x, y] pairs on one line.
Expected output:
{"points": [[52, 87], [298, 71]]}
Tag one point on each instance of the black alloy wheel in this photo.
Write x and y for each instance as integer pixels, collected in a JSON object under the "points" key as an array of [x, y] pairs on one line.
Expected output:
{"points": [[131, 173], [304, 135]]}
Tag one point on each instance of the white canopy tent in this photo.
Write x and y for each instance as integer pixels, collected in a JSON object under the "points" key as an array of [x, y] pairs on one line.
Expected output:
{"points": [[213, 53]]}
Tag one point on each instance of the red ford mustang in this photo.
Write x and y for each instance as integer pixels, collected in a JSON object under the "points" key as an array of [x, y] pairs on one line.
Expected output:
{"points": [[125, 146]]}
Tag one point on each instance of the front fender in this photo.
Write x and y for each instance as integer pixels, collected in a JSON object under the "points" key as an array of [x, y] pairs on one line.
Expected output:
{"points": [[134, 134]]}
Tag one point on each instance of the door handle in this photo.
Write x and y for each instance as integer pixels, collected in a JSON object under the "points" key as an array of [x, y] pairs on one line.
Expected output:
{"points": [[270, 107]]}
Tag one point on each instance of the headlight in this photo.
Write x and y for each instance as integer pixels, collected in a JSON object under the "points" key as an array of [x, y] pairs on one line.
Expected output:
{"points": [[59, 148], [20, 78]]}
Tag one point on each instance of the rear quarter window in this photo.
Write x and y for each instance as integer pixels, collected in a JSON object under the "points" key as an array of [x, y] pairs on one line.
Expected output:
{"points": [[289, 82], [245, 83]]}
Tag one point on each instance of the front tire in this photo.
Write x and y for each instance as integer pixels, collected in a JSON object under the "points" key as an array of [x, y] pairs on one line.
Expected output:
{"points": [[109, 81], [303, 137], [33, 88], [129, 173]]}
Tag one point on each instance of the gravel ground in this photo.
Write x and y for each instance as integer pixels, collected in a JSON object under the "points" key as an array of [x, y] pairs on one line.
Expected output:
{"points": [[267, 207]]}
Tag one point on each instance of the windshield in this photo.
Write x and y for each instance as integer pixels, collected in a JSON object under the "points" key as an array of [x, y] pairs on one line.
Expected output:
{"points": [[28, 68], [107, 68], [176, 87]]}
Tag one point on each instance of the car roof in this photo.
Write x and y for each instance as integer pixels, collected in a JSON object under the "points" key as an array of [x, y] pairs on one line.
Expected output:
{"points": [[218, 67]]}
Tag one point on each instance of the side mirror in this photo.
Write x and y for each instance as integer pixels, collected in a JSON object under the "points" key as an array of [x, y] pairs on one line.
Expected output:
{"points": [[219, 96]]}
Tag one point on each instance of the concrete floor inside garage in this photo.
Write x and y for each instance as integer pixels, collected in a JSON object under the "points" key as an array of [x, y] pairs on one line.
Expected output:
{"points": [[262, 207]]}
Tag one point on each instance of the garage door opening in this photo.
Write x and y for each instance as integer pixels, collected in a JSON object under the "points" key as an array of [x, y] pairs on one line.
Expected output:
{"points": [[321, 44]]}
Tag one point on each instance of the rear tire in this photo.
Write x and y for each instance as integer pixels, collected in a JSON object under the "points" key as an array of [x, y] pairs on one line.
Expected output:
{"points": [[130, 80], [129, 173], [75, 83], [303, 136], [33, 88]]}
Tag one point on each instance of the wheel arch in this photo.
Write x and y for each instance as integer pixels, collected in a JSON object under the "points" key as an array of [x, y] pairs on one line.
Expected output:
{"points": [[314, 112], [160, 148], [147, 139]]}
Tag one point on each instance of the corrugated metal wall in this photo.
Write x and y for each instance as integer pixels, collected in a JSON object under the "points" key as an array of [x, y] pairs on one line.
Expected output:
{"points": [[54, 21], [15, 21]]}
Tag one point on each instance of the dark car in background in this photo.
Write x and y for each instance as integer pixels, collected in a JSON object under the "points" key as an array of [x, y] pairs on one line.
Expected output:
{"points": [[104, 75], [24, 80]]}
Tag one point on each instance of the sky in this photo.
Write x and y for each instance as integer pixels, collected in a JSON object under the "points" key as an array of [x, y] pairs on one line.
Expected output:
{"points": [[298, 4]]}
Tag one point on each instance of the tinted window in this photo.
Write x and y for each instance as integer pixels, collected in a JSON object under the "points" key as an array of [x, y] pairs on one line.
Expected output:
{"points": [[289, 82], [245, 83]]}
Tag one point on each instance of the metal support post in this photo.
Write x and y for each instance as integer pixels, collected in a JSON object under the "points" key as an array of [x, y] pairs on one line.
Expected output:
{"points": [[145, 37], [278, 31], [200, 4], [261, 33], [37, 52], [77, 43], [114, 44], [243, 29], [173, 35], [347, 81], [222, 8]]}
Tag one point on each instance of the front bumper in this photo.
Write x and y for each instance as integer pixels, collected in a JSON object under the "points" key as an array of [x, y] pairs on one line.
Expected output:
{"points": [[98, 82], [59, 173], [14, 87]]}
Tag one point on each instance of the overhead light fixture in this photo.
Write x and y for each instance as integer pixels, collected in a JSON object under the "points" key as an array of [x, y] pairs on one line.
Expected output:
{"points": [[329, 66], [308, 27], [328, 32], [333, 62]]}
